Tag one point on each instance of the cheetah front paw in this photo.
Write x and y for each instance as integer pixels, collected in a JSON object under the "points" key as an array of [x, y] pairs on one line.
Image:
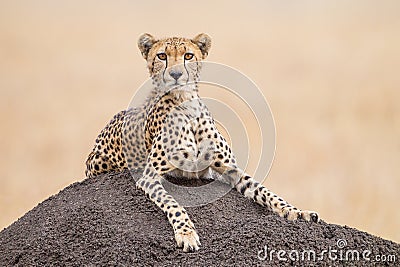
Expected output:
{"points": [[310, 216], [188, 239]]}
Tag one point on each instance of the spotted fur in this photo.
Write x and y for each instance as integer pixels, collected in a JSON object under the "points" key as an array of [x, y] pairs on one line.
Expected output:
{"points": [[173, 132]]}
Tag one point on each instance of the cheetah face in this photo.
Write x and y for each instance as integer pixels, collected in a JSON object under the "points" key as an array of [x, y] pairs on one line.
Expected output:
{"points": [[174, 62]]}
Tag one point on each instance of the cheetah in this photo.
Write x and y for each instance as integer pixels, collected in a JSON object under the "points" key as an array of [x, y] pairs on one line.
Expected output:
{"points": [[173, 131]]}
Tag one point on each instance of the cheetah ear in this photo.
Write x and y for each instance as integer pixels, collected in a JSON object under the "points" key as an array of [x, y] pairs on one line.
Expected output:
{"points": [[145, 42], [203, 41]]}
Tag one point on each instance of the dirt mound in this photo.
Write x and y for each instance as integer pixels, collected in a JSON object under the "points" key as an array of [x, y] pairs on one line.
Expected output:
{"points": [[107, 221]]}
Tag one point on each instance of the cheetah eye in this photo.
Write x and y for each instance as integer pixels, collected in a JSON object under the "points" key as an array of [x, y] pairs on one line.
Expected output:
{"points": [[162, 56], [188, 56]]}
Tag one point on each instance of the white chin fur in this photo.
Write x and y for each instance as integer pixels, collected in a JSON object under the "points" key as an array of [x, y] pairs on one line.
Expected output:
{"points": [[182, 94]]}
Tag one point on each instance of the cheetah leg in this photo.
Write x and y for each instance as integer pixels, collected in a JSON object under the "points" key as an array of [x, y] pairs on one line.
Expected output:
{"points": [[225, 164], [185, 233], [252, 189], [97, 164]]}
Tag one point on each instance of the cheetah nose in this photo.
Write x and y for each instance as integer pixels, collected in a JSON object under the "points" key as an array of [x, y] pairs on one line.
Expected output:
{"points": [[175, 74]]}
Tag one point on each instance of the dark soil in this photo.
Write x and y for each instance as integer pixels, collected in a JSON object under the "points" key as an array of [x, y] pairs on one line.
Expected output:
{"points": [[107, 221]]}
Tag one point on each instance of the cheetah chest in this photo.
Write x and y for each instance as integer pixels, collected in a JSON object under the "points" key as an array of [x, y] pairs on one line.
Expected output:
{"points": [[175, 130]]}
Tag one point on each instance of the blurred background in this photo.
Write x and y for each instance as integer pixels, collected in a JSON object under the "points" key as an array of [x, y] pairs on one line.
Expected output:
{"points": [[329, 69]]}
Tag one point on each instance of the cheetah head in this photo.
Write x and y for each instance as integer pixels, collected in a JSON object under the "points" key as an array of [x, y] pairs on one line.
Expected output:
{"points": [[174, 62]]}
